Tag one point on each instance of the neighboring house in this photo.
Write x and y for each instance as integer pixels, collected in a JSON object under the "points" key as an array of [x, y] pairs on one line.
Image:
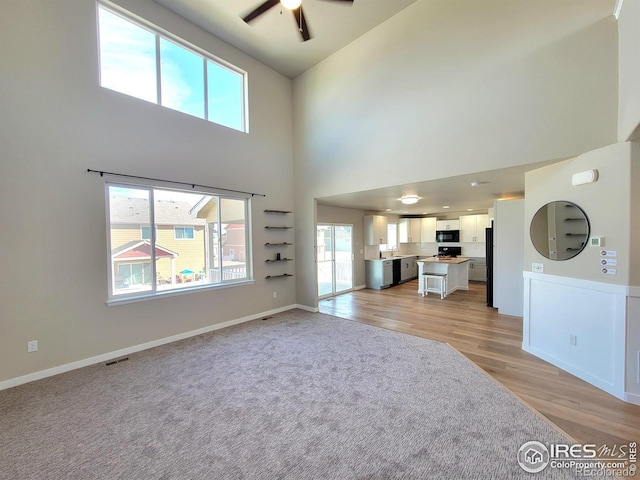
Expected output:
{"points": [[132, 263], [225, 232], [234, 248], [180, 240]]}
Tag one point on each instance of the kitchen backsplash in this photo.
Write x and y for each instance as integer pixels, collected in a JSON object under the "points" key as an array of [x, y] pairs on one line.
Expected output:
{"points": [[431, 248], [426, 249]]}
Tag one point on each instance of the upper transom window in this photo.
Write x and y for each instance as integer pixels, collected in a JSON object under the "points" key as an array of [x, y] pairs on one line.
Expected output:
{"points": [[138, 60]]}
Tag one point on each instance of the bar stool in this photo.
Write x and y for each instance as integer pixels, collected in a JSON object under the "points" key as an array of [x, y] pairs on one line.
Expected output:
{"points": [[442, 284]]}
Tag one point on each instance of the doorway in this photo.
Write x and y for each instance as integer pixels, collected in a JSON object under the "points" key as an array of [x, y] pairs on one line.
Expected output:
{"points": [[334, 257]]}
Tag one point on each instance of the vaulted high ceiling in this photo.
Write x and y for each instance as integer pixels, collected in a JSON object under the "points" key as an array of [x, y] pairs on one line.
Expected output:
{"points": [[273, 38]]}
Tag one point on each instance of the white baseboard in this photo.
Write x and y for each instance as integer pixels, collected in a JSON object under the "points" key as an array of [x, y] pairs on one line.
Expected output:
{"points": [[574, 370], [105, 357], [360, 287], [632, 398], [308, 309]]}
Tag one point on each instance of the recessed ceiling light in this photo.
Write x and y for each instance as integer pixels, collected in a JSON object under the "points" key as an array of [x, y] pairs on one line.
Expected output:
{"points": [[445, 206], [469, 209], [388, 209], [477, 184], [410, 199]]}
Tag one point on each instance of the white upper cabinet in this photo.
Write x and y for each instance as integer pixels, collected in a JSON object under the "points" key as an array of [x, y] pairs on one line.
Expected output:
{"points": [[428, 229], [472, 228], [448, 225], [410, 230], [375, 229]]}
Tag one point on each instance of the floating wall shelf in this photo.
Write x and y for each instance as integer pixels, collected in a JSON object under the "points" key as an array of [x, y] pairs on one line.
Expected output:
{"points": [[278, 244], [276, 211]]}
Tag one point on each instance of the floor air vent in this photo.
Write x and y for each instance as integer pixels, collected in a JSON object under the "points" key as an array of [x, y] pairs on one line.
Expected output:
{"points": [[113, 362]]}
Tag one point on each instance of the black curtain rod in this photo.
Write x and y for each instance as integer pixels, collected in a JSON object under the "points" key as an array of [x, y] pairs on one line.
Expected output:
{"points": [[192, 185]]}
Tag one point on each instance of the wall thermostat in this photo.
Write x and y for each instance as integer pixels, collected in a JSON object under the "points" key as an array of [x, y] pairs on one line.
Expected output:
{"points": [[596, 241]]}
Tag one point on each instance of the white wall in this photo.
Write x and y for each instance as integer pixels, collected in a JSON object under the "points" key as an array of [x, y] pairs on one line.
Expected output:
{"points": [[557, 308], [629, 71], [56, 122], [449, 87], [607, 204], [508, 241], [573, 297]]}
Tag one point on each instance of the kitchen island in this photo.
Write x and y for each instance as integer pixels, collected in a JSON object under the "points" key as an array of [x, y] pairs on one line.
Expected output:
{"points": [[456, 269]]}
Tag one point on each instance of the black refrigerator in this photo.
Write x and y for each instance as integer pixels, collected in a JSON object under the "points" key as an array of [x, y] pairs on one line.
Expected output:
{"points": [[489, 254]]}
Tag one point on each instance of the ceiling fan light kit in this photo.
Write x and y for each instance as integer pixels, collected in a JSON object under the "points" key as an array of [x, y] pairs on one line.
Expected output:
{"points": [[291, 4], [410, 199], [295, 6]]}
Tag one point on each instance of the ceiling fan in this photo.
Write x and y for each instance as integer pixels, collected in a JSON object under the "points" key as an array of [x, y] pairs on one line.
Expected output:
{"points": [[296, 8]]}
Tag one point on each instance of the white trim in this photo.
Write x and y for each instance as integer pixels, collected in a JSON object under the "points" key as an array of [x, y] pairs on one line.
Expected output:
{"points": [[580, 283], [610, 388], [617, 9], [105, 357], [618, 350], [633, 291], [632, 398], [360, 287], [150, 295], [307, 309]]}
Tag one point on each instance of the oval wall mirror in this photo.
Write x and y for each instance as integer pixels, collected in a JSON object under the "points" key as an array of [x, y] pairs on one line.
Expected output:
{"points": [[559, 230]]}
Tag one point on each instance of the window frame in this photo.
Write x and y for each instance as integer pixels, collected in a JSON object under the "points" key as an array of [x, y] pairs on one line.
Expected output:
{"points": [[123, 298], [184, 230], [206, 56], [389, 246]]}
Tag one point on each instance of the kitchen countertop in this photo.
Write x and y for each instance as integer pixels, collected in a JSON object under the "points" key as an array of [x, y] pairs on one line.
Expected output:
{"points": [[395, 257], [454, 261]]}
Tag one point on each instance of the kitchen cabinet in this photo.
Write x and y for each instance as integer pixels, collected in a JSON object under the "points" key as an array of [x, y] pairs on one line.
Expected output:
{"points": [[375, 229], [379, 273], [386, 273], [410, 230], [448, 225], [478, 270], [472, 228], [428, 230], [408, 268]]}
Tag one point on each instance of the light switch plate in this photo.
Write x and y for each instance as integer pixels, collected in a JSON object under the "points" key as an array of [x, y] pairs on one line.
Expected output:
{"points": [[537, 267]]}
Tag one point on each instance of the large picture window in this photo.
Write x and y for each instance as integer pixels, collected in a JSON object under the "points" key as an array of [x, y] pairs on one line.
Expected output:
{"points": [[138, 60], [163, 240]]}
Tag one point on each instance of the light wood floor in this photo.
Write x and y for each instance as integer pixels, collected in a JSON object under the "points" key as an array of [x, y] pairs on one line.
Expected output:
{"points": [[493, 342]]}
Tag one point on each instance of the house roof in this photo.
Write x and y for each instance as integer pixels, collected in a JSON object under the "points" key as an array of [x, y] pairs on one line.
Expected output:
{"points": [[140, 249], [132, 210]]}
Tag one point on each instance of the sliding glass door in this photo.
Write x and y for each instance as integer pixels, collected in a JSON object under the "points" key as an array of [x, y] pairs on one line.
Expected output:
{"points": [[334, 259]]}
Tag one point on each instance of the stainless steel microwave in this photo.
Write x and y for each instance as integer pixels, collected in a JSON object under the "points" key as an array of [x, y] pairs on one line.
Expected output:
{"points": [[447, 235]]}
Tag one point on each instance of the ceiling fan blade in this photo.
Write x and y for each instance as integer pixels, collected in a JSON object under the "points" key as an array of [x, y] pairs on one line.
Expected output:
{"points": [[303, 28], [260, 10]]}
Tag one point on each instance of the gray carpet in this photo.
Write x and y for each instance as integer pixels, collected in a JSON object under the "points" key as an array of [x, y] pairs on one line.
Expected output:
{"points": [[296, 396]]}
